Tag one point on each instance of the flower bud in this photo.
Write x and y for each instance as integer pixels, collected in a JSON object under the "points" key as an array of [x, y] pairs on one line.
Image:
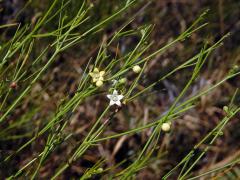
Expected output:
{"points": [[166, 127], [225, 108], [13, 85], [136, 68], [99, 170], [122, 81]]}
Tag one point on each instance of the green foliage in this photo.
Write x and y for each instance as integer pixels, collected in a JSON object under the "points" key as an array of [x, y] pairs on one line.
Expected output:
{"points": [[34, 48]]}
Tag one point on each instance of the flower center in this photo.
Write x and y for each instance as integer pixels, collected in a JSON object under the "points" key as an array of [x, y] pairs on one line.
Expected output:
{"points": [[96, 75], [115, 98]]}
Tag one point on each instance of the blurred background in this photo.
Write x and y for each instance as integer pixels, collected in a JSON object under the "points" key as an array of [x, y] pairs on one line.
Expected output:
{"points": [[170, 18]]}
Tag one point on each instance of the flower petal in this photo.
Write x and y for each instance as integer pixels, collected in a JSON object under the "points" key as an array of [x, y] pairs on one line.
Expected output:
{"points": [[111, 103], [94, 80], [102, 73], [120, 97], [91, 74], [115, 92], [96, 70], [99, 83], [109, 96], [118, 103]]}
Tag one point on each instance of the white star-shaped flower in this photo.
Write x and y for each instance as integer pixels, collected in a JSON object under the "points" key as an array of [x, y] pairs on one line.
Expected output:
{"points": [[115, 98]]}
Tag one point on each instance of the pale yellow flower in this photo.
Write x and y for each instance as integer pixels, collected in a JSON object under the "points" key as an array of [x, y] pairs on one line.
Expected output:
{"points": [[97, 76]]}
